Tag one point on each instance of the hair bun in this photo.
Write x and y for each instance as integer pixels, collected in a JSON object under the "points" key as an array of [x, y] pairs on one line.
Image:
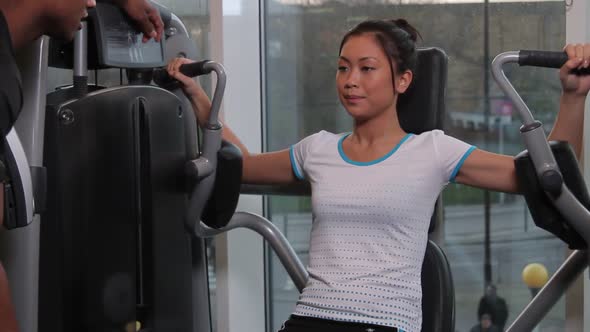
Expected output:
{"points": [[407, 27]]}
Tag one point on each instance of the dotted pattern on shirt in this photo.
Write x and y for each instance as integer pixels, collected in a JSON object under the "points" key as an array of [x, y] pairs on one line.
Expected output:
{"points": [[369, 234]]}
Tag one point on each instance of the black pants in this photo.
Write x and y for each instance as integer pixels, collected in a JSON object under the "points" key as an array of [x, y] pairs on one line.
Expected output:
{"points": [[309, 324]]}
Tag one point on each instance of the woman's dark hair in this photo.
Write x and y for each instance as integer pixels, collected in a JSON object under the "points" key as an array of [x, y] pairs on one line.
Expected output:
{"points": [[397, 38]]}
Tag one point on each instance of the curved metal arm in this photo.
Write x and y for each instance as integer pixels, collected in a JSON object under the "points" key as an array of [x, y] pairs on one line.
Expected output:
{"points": [[576, 213], [506, 86], [532, 130], [545, 165], [218, 95], [540, 151], [205, 166], [272, 235]]}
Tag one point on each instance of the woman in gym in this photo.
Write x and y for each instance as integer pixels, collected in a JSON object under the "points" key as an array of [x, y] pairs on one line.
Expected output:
{"points": [[374, 189]]}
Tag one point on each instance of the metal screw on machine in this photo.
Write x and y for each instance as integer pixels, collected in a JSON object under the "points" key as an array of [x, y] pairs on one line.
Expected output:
{"points": [[552, 181], [66, 116]]}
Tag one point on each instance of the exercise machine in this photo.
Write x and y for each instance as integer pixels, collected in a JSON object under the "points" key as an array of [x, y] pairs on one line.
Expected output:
{"points": [[553, 187], [130, 196], [124, 178]]}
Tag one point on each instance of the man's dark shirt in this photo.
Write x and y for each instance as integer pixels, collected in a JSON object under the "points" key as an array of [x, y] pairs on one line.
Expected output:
{"points": [[11, 98]]}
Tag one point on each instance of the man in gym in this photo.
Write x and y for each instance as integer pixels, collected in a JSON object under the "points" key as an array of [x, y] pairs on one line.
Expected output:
{"points": [[21, 23]]}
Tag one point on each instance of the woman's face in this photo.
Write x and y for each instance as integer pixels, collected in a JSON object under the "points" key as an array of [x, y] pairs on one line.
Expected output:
{"points": [[364, 82]]}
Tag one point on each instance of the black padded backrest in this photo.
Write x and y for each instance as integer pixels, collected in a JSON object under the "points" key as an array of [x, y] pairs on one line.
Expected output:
{"points": [[438, 293], [422, 107]]}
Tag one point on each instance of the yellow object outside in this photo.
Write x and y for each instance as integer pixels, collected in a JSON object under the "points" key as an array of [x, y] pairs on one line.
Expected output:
{"points": [[130, 327], [535, 275]]}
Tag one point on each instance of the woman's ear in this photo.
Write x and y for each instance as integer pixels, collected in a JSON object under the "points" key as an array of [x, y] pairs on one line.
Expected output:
{"points": [[404, 81]]}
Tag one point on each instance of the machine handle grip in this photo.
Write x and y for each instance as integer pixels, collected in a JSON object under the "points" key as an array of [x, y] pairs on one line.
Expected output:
{"points": [[161, 77], [547, 59], [195, 69]]}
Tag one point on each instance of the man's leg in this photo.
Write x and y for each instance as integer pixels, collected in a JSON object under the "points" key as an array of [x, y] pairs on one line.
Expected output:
{"points": [[7, 317]]}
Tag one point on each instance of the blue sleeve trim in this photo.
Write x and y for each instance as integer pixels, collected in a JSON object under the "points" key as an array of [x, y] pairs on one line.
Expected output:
{"points": [[458, 167], [294, 164]]}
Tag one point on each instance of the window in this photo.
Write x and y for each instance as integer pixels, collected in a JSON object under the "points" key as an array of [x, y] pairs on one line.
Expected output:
{"points": [[302, 39]]}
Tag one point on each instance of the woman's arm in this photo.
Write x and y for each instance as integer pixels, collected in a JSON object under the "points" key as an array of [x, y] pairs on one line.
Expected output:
{"points": [[496, 172], [263, 168], [569, 125], [490, 171]]}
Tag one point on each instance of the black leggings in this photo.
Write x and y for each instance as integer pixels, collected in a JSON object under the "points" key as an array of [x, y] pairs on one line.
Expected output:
{"points": [[309, 324]]}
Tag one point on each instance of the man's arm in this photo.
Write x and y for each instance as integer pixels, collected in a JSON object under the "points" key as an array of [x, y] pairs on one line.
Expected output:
{"points": [[146, 16]]}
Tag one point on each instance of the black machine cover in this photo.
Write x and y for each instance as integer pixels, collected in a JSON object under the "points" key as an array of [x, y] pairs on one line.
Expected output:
{"points": [[114, 248], [542, 210]]}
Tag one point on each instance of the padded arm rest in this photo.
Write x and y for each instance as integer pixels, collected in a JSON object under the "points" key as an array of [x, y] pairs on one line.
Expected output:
{"points": [[542, 210]]}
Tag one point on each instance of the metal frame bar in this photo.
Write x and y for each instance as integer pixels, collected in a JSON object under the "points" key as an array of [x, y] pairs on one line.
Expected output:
{"points": [[567, 204], [272, 235]]}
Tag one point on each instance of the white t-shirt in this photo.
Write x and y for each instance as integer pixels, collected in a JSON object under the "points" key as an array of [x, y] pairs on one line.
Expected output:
{"points": [[370, 226]]}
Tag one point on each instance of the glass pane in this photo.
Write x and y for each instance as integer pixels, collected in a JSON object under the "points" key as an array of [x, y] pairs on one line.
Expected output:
{"points": [[302, 39]]}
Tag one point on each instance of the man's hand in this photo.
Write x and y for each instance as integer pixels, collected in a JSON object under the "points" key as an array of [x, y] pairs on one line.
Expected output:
{"points": [[146, 16]]}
